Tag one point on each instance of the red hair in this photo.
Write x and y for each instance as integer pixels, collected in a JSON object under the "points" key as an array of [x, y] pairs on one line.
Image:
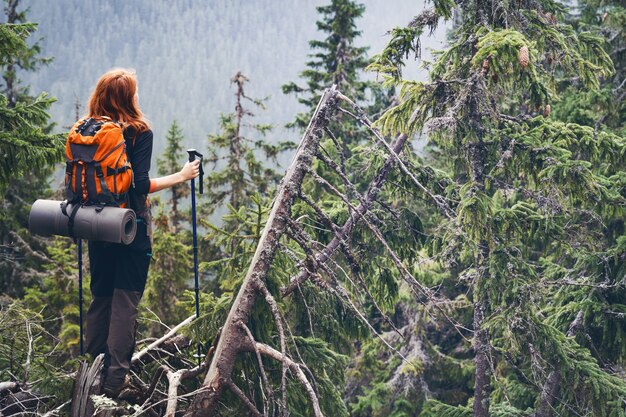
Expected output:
{"points": [[115, 97]]}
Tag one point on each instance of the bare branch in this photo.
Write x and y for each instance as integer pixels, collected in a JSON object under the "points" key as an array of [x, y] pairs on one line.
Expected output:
{"points": [[439, 201], [137, 356], [270, 391], [153, 384], [29, 355], [36, 254], [295, 368], [370, 196], [57, 410], [235, 389], [174, 379], [283, 345]]}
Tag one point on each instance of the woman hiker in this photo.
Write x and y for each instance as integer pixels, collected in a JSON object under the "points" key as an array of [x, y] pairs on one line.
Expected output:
{"points": [[119, 272]]}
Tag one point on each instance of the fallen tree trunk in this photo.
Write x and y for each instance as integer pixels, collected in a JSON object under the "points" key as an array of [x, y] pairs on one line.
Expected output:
{"points": [[233, 338]]}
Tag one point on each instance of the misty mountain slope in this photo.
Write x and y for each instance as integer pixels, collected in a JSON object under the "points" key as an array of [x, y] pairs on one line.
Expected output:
{"points": [[185, 52]]}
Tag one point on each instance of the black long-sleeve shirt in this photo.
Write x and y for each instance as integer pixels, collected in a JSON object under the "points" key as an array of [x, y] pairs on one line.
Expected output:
{"points": [[139, 150]]}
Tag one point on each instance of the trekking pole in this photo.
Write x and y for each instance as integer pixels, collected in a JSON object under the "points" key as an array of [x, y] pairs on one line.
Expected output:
{"points": [[79, 242], [192, 157]]}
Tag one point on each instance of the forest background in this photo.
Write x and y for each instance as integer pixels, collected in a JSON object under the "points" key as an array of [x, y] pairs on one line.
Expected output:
{"points": [[473, 275], [185, 53]]}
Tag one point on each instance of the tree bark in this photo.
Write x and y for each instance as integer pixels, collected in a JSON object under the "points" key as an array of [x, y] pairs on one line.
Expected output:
{"points": [[478, 163], [232, 338], [86, 383], [482, 383], [549, 393]]}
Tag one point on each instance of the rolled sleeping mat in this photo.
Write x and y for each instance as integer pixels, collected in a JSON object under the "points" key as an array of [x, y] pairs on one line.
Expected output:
{"points": [[104, 224]]}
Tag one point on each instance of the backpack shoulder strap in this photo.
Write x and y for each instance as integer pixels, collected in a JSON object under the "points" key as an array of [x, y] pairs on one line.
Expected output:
{"points": [[130, 137]]}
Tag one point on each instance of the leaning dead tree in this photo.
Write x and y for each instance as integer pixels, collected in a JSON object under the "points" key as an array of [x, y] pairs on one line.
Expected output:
{"points": [[330, 265], [234, 339]]}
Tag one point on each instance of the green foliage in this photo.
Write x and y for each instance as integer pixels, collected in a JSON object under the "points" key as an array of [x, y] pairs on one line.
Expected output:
{"points": [[28, 151], [434, 408], [405, 41], [474, 211], [375, 394], [328, 374], [513, 391], [605, 107], [172, 161], [533, 195], [14, 40], [213, 311], [23, 141], [23, 255], [28, 354], [599, 297], [337, 61], [501, 49], [55, 296], [234, 243], [168, 278]]}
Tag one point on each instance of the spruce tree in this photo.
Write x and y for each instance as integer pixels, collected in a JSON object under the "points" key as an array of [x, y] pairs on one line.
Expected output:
{"points": [[40, 332], [26, 59], [528, 199], [24, 140], [336, 60], [240, 182], [27, 148], [239, 154], [603, 110], [172, 160]]}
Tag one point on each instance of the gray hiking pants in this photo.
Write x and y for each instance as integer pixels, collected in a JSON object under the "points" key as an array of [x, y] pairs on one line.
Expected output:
{"points": [[111, 325], [118, 279]]}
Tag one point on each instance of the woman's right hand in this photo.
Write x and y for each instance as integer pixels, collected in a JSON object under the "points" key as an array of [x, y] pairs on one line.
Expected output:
{"points": [[190, 170]]}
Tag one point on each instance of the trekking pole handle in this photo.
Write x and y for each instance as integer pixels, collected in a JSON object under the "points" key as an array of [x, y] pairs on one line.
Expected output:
{"points": [[192, 157]]}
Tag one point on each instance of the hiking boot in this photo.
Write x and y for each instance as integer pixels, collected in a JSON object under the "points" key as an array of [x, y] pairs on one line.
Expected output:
{"points": [[112, 392]]}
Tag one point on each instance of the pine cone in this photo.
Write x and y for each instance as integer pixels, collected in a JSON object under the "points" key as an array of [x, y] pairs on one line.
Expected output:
{"points": [[523, 56], [550, 18], [547, 110], [485, 66]]}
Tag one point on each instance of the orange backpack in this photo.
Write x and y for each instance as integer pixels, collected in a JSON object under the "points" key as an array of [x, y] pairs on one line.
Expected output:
{"points": [[97, 168]]}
